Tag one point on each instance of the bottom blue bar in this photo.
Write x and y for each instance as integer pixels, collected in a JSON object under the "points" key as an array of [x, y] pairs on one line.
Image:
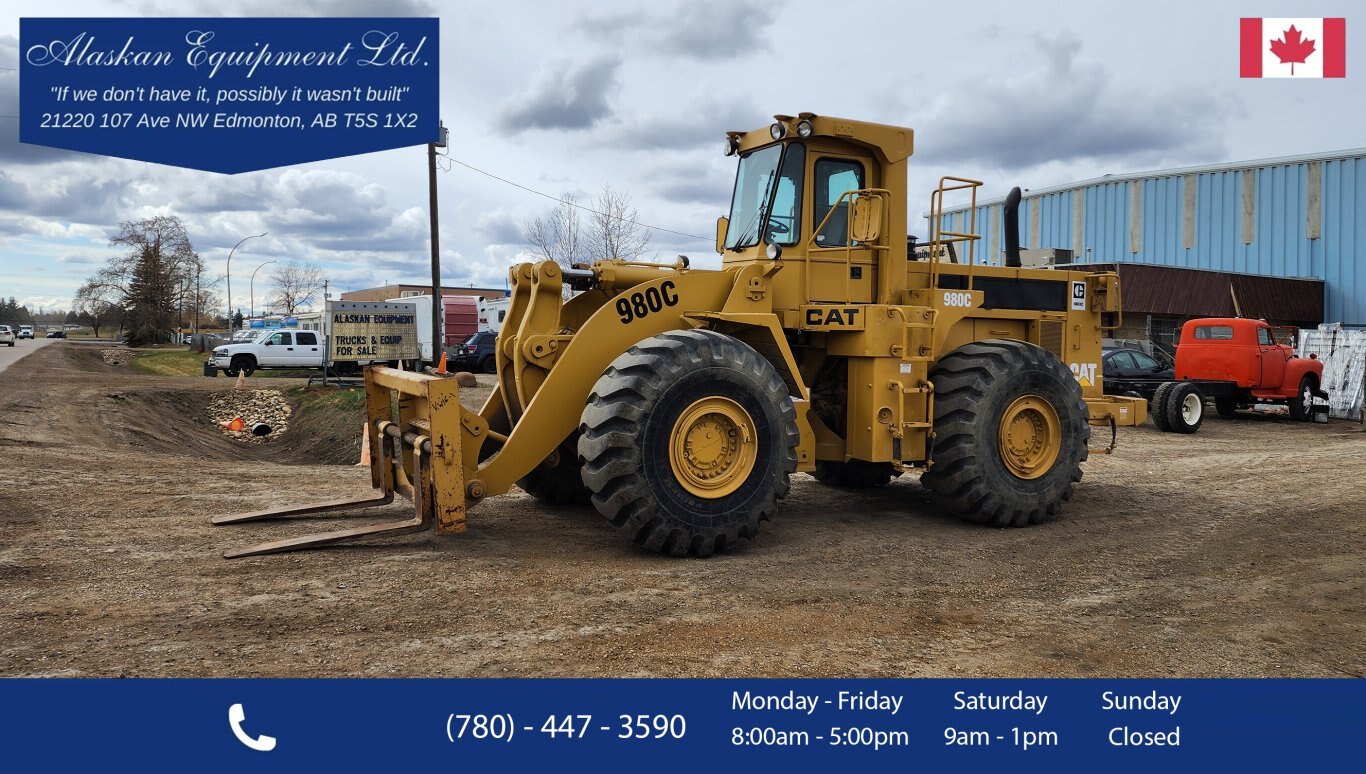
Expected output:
{"points": [[682, 725]]}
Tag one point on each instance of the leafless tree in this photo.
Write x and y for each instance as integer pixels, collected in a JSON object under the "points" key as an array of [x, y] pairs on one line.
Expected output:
{"points": [[297, 284], [97, 305], [614, 227], [612, 231], [558, 236]]}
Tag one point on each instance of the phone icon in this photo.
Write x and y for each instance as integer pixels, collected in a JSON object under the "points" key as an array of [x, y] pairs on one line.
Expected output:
{"points": [[236, 715]]}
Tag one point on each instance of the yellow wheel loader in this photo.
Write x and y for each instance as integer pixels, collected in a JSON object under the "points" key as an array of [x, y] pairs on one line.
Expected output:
{"points": [[680, 401]]}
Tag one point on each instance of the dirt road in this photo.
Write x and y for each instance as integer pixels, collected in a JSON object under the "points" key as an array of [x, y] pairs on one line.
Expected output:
{"points": [[1238, 551], [22, 348]]}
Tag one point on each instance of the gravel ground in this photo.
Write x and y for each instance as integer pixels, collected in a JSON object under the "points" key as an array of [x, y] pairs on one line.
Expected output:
{"points": [[1237, 551]]}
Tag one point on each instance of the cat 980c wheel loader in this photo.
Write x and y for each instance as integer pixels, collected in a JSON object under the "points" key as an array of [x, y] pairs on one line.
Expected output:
{"points": [[679, 401]]}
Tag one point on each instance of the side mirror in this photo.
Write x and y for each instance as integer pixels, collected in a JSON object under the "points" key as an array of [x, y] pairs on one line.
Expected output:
{"points": [[722, 224], [270, 343], [866, 222]]}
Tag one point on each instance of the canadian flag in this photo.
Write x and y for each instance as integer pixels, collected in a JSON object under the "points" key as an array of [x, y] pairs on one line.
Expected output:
{"points": [[1293, 48]]}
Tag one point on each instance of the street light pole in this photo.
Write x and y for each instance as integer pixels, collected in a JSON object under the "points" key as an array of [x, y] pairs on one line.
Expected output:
{"points": [[253, 286], [229, 273]]}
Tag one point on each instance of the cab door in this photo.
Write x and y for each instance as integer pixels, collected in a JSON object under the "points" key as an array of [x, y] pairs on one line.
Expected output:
{"points": [[1272, 357], [307, 350], [277, 351], [837, 268]]}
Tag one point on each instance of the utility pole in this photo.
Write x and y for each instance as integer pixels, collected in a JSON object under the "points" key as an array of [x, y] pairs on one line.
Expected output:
{"points": [[438, 330]]}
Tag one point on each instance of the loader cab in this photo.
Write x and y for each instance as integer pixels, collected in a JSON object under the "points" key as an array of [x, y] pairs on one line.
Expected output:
{"points": [[793, 202]]}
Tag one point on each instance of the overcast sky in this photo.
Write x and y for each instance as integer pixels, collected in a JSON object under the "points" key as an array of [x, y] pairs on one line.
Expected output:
{"points": [[568, 96]]}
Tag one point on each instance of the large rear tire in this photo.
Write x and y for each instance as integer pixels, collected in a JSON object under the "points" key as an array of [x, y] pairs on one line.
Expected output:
{"points": [[1158, 407], [1011, 433], [1226, 407], [1185, 408], [688, 441], [559, 481]]}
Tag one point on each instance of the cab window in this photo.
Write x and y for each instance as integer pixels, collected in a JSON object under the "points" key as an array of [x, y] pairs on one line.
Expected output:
{"points": [[834, 178], [1214, 333], [1264, 336], [279, 338], [307, 338], [785, 218]]}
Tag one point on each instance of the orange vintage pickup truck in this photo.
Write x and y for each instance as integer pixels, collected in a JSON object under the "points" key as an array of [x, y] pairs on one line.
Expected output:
{"points": [[1238, 362]]}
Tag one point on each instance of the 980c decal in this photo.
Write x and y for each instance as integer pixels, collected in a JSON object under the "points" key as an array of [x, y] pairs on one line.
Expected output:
{"points": [[648, 301]]}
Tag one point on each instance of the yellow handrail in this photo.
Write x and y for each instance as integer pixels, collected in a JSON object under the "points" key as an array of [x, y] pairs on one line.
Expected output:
{"points": [[937, 233], [881, 193]]}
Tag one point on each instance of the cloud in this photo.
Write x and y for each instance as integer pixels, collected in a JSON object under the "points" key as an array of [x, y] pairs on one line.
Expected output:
{"points": [[701, 122], [499, 228], [47, 303], [564, 96], [1068, 110], [700, 29]]}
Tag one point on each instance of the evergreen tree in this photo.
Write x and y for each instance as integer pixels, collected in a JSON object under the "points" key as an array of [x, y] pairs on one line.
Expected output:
{"points": [[151, 298]]}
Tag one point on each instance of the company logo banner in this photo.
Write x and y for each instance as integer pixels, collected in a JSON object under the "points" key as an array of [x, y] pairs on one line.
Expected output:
{"points": [[229, 95]]}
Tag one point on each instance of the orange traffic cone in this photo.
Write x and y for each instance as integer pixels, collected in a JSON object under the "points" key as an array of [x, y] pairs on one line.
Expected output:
{"points": [[364, 445], [236, 424], [241, 380], [441, 367]]}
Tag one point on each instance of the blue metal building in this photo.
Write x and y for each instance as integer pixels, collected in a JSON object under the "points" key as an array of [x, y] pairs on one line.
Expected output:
{"points": [[1296, 216]]}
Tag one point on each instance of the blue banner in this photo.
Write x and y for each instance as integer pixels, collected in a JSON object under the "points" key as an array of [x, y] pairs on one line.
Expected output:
{"points": [[228, 95], [684, 725]]}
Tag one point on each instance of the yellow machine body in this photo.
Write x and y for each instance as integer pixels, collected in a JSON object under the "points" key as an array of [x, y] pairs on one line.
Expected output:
{"points": [[826, 293]]}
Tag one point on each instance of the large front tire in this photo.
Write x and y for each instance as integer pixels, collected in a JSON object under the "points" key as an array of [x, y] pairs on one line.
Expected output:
{"points": [[1302, 404], [1011, 433], [243, 364], [688, 441]]}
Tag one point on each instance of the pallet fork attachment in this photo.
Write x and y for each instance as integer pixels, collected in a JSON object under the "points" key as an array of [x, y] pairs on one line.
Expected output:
{"points": [[418, 457]]}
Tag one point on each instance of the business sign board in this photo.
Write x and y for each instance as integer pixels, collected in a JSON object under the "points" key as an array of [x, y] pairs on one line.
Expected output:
{"points": [[364, 330], [228, 95]]}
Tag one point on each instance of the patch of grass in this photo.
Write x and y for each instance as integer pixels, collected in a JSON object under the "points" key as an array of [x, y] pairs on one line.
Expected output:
{"points": [[169, 362], [177, 361], [347, 399]]}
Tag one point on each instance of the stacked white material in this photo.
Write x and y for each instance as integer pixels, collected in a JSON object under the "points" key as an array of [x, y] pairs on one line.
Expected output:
{"points": [[1343, 352]]}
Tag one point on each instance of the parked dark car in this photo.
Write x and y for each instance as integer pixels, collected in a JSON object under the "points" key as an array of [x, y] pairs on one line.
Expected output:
{"points": [[56, 334], [1130, 372], [476, 353]]}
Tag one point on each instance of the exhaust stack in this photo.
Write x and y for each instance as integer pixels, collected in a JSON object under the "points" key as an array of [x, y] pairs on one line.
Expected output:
{"points": [[1012, 219]]}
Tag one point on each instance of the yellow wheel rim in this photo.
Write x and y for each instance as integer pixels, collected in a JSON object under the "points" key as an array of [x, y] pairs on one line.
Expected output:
{"points": [[1030, 437], [713, 447]]}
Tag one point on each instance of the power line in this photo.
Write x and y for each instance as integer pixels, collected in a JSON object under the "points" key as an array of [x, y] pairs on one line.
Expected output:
{"points": [[567, 201]]}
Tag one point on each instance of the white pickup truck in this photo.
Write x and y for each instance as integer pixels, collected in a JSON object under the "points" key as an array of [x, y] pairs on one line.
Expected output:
{"points": [[286, 348]]}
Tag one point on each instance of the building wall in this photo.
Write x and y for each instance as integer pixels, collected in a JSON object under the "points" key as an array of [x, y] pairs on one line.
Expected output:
{"points": [[1300, 217], [394, 291]]}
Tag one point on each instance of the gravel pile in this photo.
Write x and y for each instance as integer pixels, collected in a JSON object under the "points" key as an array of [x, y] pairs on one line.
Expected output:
{"points": [[268, 406], [116, 357]]}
